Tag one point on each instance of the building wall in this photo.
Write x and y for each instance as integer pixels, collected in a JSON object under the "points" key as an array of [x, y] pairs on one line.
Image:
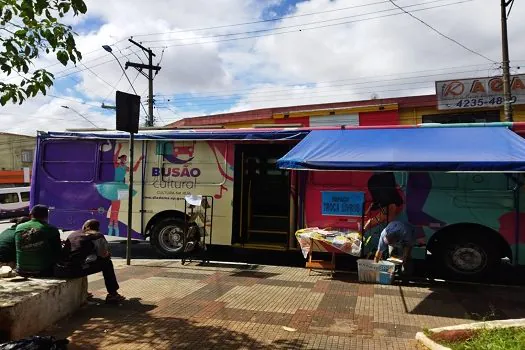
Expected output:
{"points": [[412, 116], [367, 115], [395, 111], [16, 151]]}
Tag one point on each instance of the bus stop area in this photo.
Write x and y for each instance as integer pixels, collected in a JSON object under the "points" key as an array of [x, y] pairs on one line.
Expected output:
{"points": [[241, 306]]}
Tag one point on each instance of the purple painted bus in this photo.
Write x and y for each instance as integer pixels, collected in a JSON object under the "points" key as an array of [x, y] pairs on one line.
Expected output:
{"points": [[467, 221]]}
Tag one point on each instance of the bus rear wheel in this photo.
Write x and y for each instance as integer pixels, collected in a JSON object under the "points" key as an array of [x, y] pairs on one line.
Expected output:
{"points": [[466, 257], [167, 237]]}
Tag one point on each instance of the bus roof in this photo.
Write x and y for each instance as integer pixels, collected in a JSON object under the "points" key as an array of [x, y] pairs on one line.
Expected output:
{"points": [[243, 134]]}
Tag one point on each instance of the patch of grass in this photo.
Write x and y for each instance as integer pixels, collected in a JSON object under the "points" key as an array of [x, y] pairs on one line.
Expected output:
{"points": [[483, 339]]}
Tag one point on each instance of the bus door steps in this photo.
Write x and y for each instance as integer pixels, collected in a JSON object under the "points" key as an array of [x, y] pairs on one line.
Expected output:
{"points": [[269, 232], [269, 223]]}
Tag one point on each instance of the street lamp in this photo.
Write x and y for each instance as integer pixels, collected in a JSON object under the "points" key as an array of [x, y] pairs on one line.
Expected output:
{"points": [[131, 162], [80, 114], [110, 50]]}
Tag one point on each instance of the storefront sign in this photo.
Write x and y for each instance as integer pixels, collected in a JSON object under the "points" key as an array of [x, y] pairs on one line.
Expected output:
{"points": [[478, 92], [342, 203]]}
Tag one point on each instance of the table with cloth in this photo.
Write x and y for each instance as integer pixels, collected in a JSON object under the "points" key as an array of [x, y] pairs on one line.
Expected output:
{"points": [[331, 241]]}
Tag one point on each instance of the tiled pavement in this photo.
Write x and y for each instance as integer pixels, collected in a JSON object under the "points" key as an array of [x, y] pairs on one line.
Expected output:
{"points": [[171, 306]]}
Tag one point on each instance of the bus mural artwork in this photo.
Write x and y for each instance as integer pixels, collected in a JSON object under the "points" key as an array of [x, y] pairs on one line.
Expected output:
{"points": [[221, 148], [117, 189]]}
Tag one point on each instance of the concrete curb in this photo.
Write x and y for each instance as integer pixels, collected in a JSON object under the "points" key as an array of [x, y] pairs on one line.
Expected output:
{"points": [[429, 343], [432, 345]]}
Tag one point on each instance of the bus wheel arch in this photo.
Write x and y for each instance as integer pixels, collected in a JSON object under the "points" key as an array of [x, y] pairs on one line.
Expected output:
{"points": [[166, 230], [467, 251]]}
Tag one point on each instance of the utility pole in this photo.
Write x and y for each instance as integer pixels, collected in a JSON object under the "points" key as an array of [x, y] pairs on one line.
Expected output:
{"points": [[150, 68], [507, 94]]}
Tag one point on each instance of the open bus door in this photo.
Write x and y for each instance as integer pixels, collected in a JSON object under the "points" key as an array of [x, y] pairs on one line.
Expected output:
{"points": [[262, 197]]}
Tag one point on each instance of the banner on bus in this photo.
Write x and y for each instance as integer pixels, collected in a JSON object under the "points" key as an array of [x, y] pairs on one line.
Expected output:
{"points": [[478, 92], [342, 203]]}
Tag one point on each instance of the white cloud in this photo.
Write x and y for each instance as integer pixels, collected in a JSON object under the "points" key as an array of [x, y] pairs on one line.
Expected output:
{"points": [[343, 62]]}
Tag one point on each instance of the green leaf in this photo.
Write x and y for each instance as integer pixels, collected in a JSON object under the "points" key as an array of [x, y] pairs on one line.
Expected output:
{"points": [[21, 33], [21, 97], [78, 6], [63, 57], [4, 99], [39, 31], [8, 15]]}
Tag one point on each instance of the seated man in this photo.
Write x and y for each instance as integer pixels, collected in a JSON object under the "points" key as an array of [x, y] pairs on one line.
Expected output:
{"points": [[86, 252], [397, 233], [8, 245], [38, 245]]}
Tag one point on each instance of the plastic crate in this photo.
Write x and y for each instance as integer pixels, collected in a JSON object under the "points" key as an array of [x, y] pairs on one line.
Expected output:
{"points": [[371, 272]]}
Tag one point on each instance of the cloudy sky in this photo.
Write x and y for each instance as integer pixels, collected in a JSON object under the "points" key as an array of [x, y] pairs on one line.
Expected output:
{"points": [[231, 55]]}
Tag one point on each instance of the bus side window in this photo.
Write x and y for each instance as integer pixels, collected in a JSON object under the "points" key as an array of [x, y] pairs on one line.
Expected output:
{"points": [[9, 198], [71, 161]]}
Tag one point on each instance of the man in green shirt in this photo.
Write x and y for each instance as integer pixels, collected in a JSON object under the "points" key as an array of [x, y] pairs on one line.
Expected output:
{"points": [[38, 245], [7, 243]]}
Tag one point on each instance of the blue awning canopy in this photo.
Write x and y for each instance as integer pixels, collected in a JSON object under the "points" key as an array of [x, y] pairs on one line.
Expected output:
{"points": [[465, 149]]}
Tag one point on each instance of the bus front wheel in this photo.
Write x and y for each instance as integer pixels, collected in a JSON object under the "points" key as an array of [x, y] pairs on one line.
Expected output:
{"points": [[167, 237], [465, 257]]}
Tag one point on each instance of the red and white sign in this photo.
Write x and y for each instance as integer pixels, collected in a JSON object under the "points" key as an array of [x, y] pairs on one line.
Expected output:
{"points": [[478, 92]]}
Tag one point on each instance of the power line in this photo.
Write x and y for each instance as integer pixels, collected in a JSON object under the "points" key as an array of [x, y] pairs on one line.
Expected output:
{"points": [[340, 80], [58, 63], [292, 97], [160, 61], [353, 80], [158, 116], [82, 115], [129, 81], [73, 100], [76, 70], [171, 110], [53, 117], [98, 77], [298, 25], [311, 28], [315, 105], [118, 82], [136, 76], [440, 33], [260, 21]]}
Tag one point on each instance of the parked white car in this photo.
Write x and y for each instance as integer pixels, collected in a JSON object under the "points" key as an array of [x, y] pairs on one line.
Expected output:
{"points": [[14, 201]]}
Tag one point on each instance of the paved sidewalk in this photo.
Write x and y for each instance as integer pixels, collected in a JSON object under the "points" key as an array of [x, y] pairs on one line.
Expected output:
{"points": [[266, 307]]}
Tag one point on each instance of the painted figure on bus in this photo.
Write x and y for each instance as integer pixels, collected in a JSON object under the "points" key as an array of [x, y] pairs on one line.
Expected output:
{"points": [[387, 201], [224, 157], [117, 189]]}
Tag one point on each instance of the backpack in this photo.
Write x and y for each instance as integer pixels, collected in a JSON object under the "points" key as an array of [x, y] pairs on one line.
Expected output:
{"points": [[36, 343]]}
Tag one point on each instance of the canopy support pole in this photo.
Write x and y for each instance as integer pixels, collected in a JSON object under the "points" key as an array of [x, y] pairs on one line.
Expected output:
{"points": [[517, 220]]}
